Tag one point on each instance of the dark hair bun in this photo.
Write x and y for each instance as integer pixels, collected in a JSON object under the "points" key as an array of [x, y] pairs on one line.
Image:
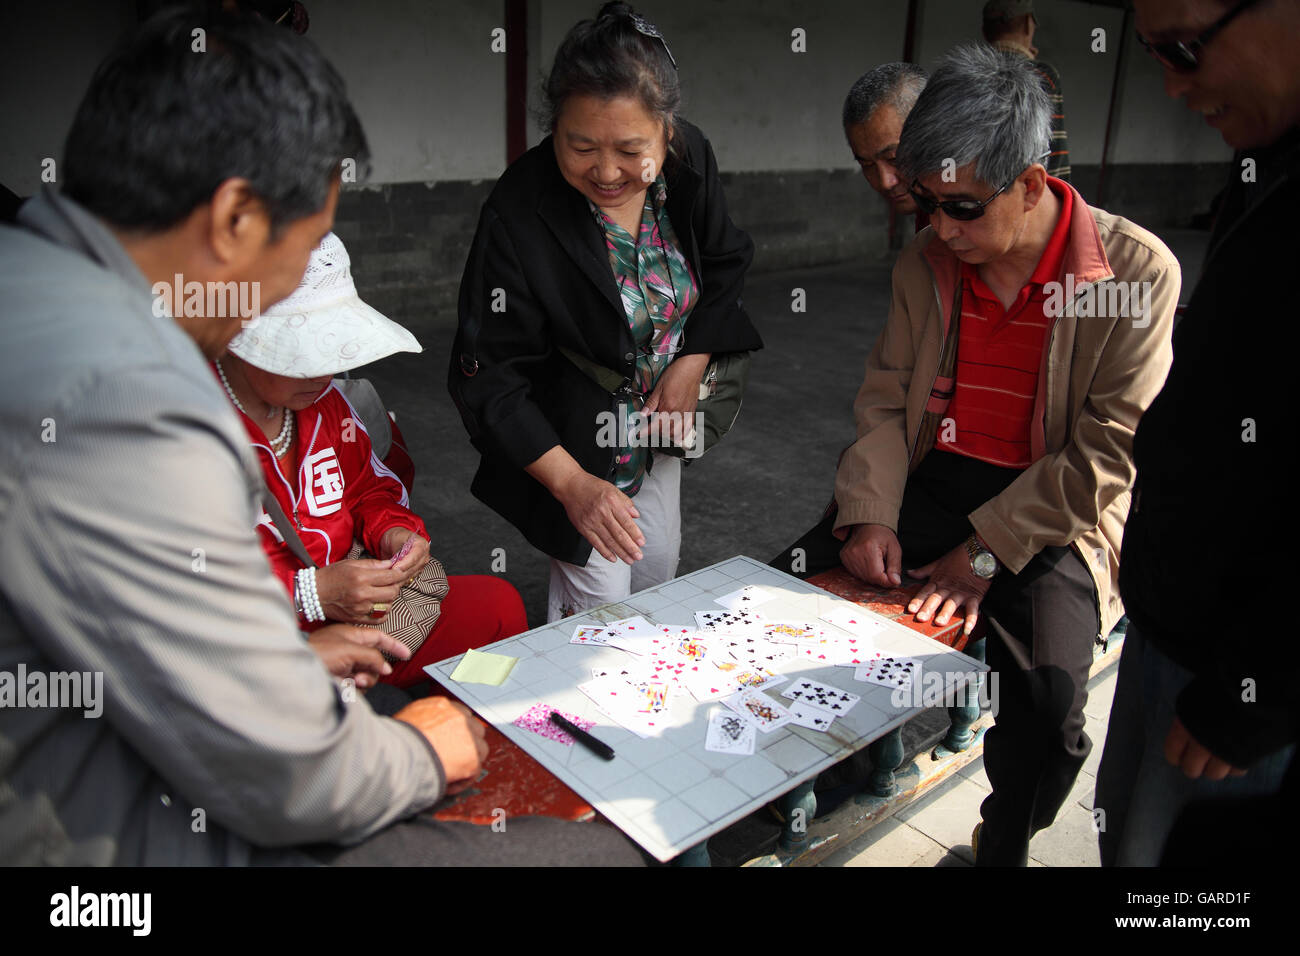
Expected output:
{"points": [[615, 10]]}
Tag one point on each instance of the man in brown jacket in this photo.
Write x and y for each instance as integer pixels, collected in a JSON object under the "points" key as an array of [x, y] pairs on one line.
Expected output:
{"points": [[1026, 335]]}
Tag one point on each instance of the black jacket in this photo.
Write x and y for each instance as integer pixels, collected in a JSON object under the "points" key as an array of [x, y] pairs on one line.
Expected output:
{"points": [[538, 277], [1207, 570]]}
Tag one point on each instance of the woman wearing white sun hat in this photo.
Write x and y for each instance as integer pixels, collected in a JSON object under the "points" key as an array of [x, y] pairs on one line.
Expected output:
{"points": [[318, 461]]}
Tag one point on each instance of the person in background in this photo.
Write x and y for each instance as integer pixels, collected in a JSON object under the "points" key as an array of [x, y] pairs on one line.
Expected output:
{"points": [[873, 117], [1010, 25]]}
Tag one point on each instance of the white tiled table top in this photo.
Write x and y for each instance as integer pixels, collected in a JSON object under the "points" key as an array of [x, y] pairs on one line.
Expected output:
{"points": [[668, 793]]}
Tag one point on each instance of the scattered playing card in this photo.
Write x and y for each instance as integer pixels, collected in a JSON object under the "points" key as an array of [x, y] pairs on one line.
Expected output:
{"points": [[739, 623], [766, 713], [789, 632], [621, 703], [889, 671], [730, 733], [538, 719], [857, 621], [747, 597], [634, 634], [589, 634], [633, 672], [709, 683], [824, 697], [810, 717]]}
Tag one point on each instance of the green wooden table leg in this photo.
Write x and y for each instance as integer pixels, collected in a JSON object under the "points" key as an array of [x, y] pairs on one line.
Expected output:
{"points": [[886, 756], [960, 736], [697, 855], [799, 806]]}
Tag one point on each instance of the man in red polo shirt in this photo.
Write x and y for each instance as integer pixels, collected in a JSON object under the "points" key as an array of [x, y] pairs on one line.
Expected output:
{"points": [[1026, 335]]}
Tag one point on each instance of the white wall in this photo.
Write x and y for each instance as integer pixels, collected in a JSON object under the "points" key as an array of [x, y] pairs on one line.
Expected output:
{"points": [[763, 106], [424, 80], [431, 94], [1150, 127]]}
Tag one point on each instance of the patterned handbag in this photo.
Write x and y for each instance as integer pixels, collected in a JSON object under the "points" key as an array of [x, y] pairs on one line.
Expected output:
{"points": [[413, 614]]}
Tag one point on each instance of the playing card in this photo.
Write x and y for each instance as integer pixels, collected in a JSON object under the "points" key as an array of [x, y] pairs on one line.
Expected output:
{"points": [[403, 552], [633, 672], [589, 634], [790, 632], [755, 651], [730, 733], [633, 634], [766, 713], [621, 702], [747, 597], [808, 716], [824, 697], [740, 623], [710, 683], [857, 621], [889, 671]]}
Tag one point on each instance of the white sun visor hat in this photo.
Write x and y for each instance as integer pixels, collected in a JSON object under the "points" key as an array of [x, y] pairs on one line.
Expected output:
{"points": [[323, 327]]}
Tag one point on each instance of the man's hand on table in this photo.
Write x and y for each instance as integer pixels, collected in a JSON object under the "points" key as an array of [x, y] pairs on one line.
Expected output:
{"points": [[349, 651], [1183, 751], [874, 555], [455, 734], [950, 586]]}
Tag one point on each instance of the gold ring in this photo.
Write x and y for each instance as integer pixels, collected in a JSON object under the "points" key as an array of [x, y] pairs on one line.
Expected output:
{"points": [[378, 608]]}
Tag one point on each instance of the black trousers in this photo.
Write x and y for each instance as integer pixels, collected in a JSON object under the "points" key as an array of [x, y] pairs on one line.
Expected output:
{"points": [[1041, 623]]}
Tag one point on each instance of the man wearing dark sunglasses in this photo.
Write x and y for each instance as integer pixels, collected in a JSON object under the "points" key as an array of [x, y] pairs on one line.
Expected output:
{"points": [[996, 417], [1202, 709]]}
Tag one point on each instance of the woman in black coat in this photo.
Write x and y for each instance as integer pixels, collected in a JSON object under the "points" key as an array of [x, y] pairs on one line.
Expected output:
{"points": [[604, 275]]}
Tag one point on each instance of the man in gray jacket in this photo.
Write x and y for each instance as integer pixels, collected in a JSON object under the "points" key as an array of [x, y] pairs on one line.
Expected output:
{"points": [[157, 703]]}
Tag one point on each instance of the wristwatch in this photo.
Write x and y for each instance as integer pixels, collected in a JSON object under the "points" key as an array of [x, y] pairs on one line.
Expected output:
{"points": [[982, 560]]}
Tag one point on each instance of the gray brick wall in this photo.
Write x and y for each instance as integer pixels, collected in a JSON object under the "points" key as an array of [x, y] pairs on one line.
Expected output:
{"points": [[409, 241]]}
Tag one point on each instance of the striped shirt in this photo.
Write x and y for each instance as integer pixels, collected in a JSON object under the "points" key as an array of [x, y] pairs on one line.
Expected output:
{"points": [[999, 354], [1058, 161]]}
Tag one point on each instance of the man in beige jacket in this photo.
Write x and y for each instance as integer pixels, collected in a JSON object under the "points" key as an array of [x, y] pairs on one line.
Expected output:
{"points": [[1026, 335]]}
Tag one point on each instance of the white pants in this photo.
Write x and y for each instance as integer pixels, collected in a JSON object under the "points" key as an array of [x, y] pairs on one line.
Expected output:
{"points": [[574, 588]]}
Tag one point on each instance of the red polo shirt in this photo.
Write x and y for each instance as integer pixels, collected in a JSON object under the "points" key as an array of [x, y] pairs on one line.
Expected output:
{"points": [[999, 355]]}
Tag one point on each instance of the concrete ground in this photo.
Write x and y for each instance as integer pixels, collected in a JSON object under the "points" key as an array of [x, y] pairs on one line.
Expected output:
{"points": [[936, 829]]}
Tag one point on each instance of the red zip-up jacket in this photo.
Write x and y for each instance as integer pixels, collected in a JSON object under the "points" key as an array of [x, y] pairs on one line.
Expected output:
{"points": [[341, 492]]}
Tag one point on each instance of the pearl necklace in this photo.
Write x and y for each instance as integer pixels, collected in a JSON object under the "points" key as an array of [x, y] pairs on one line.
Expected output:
{"points": [[281, 442]]}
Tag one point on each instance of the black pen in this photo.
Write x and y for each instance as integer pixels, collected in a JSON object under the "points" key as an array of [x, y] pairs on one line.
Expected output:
{"points": [[582, 737]]}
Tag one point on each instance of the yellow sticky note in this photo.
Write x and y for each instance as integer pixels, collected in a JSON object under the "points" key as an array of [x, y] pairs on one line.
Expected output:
{"points": [[477, 667]]}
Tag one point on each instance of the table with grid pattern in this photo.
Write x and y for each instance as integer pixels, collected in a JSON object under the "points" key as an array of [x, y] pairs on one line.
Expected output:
{"points": [[667, 792]]}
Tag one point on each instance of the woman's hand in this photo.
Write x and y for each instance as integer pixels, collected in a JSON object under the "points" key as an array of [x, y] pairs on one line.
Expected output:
{"points": [[600, 512], [603, 515], [670, 408], [416, 558], [349, 590]]}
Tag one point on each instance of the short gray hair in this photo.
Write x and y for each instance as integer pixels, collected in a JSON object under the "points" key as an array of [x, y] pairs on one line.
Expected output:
{"points": [[982, 105], [894, 84]]}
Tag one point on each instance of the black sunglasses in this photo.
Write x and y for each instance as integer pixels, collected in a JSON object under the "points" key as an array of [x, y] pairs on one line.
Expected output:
{"points": [[963, 210], [1182, 57]]}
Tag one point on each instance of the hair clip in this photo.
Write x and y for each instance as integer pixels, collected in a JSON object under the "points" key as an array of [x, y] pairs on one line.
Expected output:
{"points": [[648, 29]]}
